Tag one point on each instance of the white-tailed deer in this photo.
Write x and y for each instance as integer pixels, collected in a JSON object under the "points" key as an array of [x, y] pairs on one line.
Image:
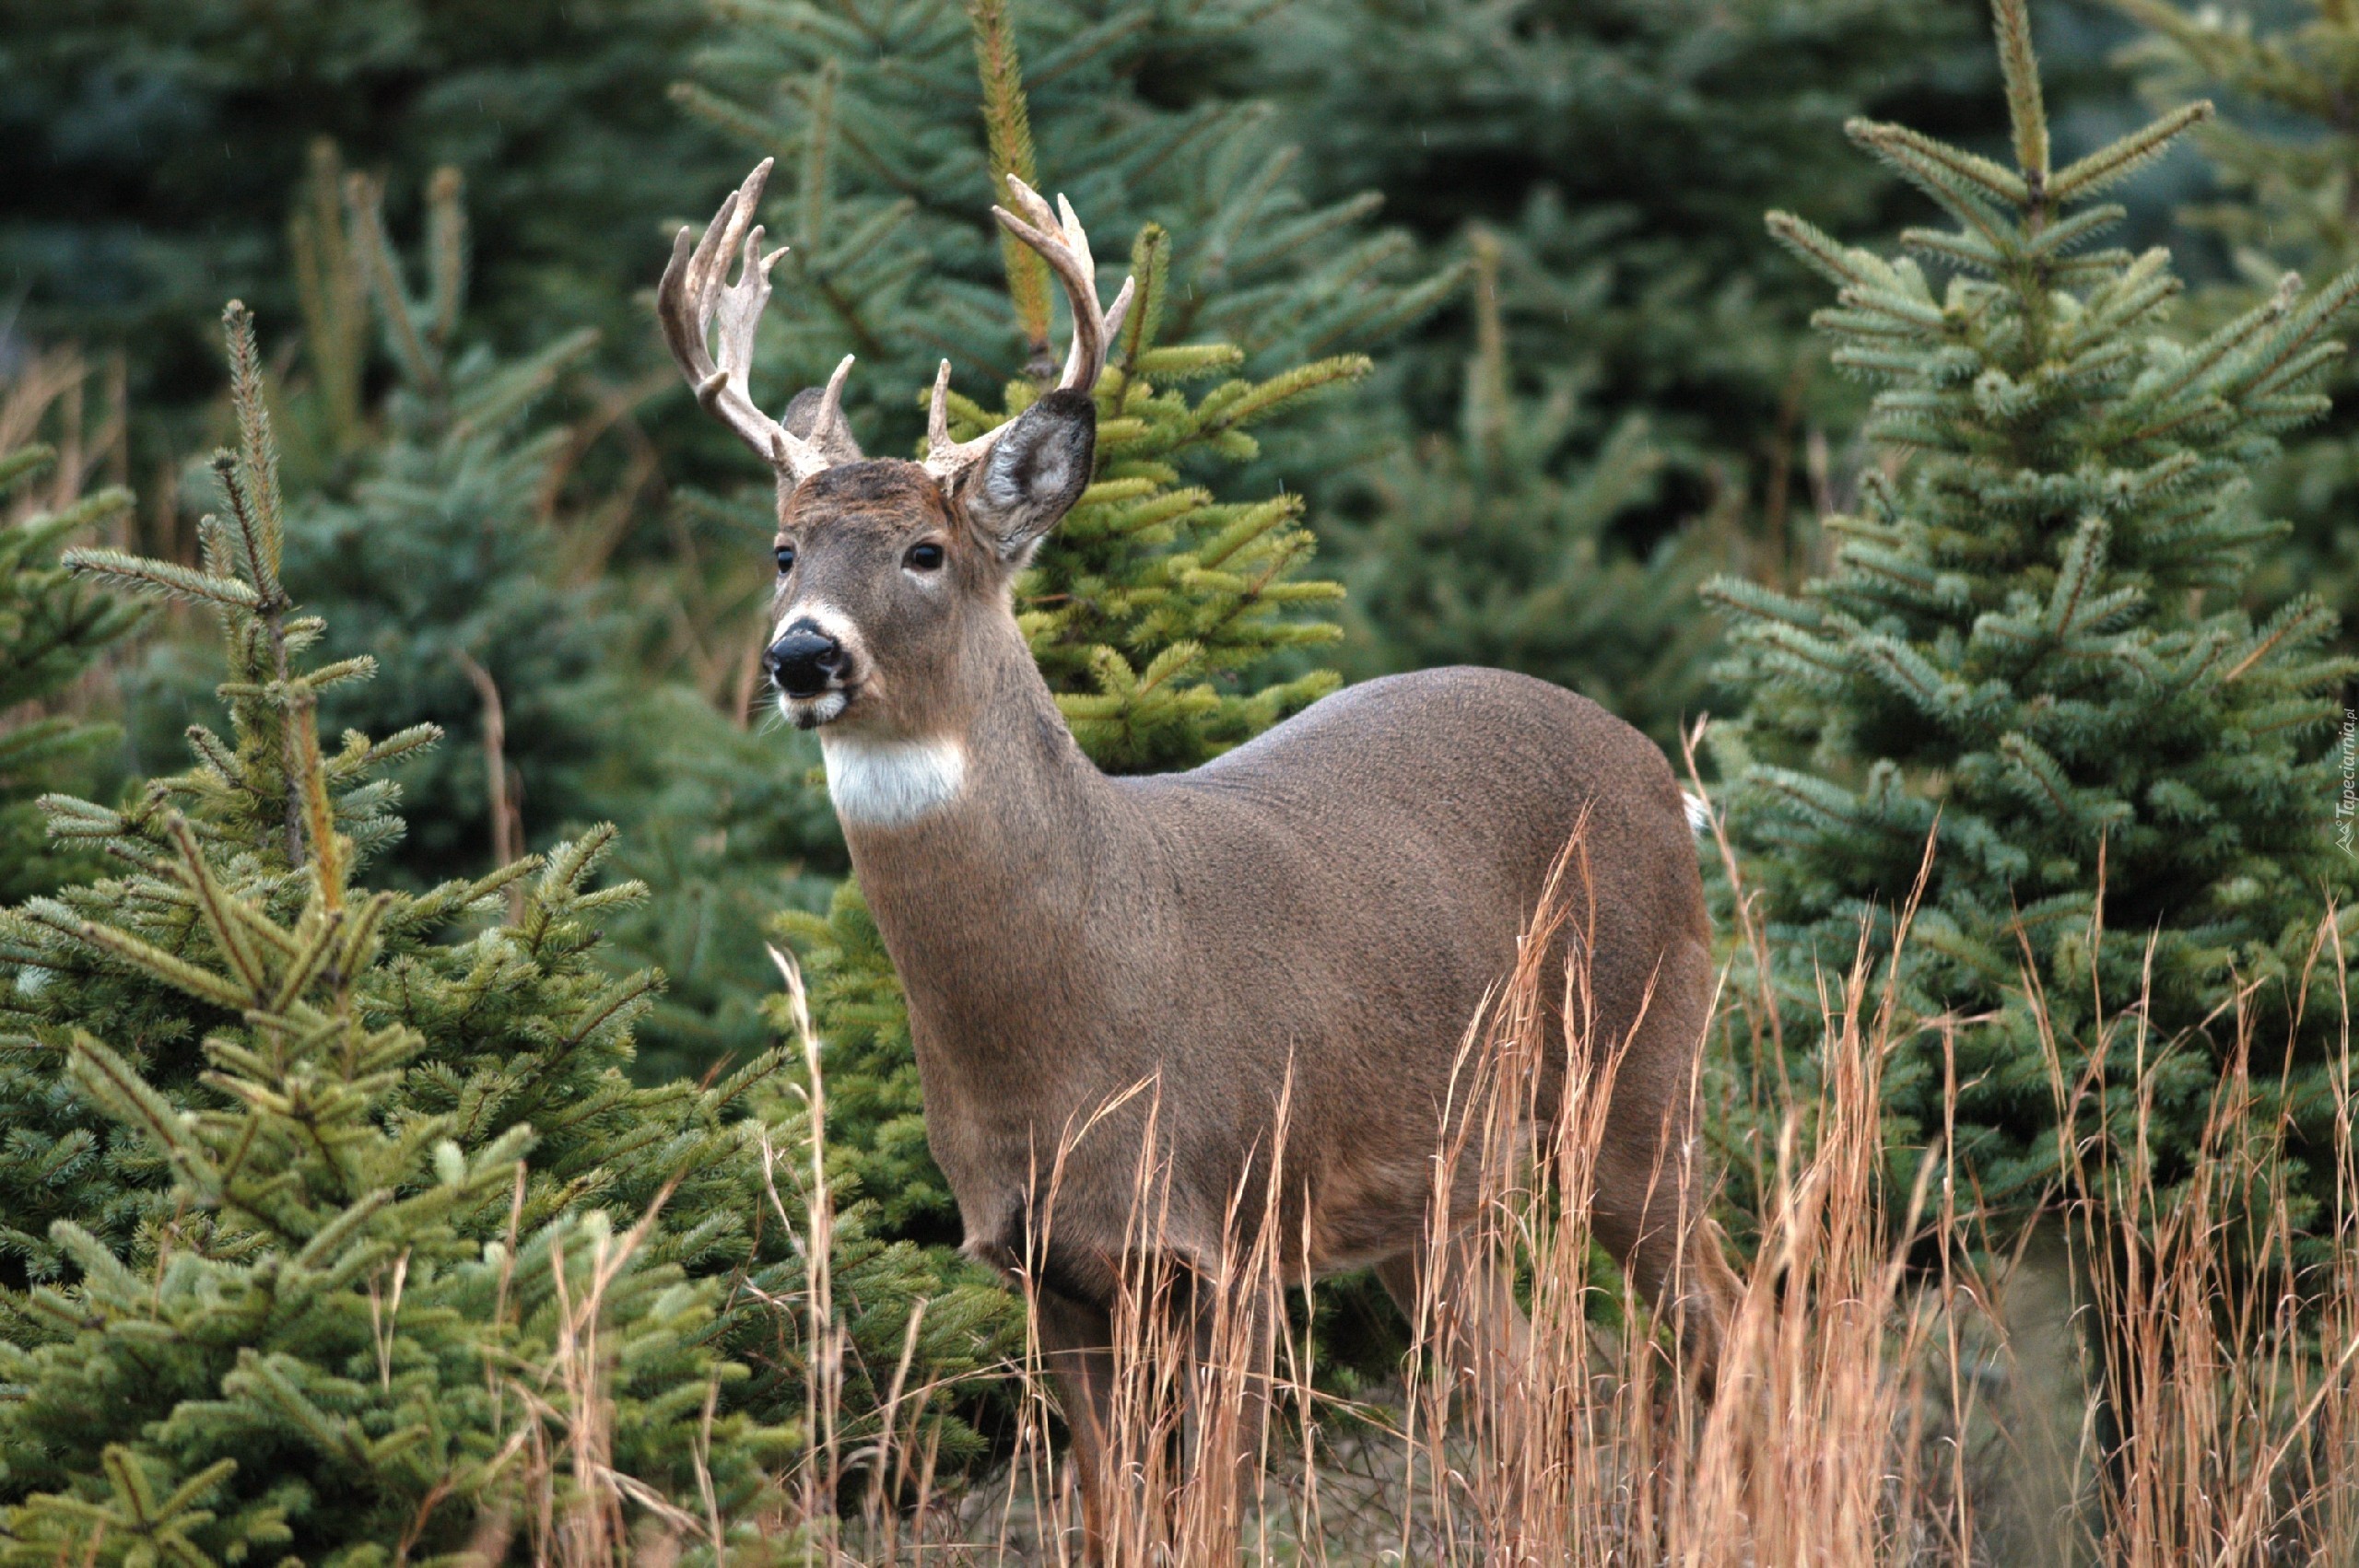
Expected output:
{"points": [[1317, 914]]}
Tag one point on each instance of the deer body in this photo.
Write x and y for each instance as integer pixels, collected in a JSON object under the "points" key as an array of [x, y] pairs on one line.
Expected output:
{"points": [[1115, 984], [1251, 931]]}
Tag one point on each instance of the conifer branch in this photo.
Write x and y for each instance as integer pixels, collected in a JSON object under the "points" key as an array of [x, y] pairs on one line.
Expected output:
{"points": [[139, 954], [1151, 265], [1824, 255], [2299, 623], [446, 251], [1007, 124], [309, 782], [2301, 332], [227, 932], [815, 188], [2060, 236], [330, 292], [26, 462], [2120, 159], [364, 198], [257, 452], [108, 1078], [732, 119], [2019, 68], [161, 579], [1940, 169]]}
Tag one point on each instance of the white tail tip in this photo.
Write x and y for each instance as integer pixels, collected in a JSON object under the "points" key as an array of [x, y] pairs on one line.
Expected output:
{"points": [[1699, 811]]}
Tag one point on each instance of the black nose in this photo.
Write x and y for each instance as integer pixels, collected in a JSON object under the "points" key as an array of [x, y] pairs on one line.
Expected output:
{"points": [[805, 660]]}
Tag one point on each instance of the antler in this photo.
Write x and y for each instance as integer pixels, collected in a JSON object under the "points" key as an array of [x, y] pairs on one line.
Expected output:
{"points": [[695, 290], [1057, 236]]}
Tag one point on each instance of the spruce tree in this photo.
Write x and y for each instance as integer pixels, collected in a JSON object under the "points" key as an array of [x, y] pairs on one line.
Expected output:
{"points": [[1622, 152], [425, 539], [894, 121], [440, 527], [1499, 546], [2029, 648], [2286, 151], [482, 1015], [336, 1180], [52, 630]]}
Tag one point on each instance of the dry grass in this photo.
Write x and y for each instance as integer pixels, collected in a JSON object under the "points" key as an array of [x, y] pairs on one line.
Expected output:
{"points": [[1882, 1400], [49, 397]]}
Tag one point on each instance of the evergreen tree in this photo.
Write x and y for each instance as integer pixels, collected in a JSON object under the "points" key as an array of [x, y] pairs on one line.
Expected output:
{"points": [[1622, 151], [1499, 546], [894, 123], [213, 997], [2028, 647], [2287, 152], [432, 549], [431, 529], [147, 147], [52, 629], [331, 1191]]}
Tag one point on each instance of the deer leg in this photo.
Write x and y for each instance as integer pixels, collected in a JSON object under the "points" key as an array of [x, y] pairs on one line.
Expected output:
{"points": [[1480, 1338], [1235, 1335], [1077, 1341], [1647, 1209]]}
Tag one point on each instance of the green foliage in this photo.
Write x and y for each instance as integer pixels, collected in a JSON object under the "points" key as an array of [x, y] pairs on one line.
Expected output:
{"points": [[52, 629], [431, 548], [1154, 601], [331, 1212], [2286, 151], [1498, 546], [432, 531], [877, 1108], [147, 147], [1622, 152], [2029, 650], [893, 121], [337, 1216]]}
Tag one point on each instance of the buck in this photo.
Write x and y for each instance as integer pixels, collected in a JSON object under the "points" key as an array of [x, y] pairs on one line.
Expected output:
{"points": [[1314, 916]]}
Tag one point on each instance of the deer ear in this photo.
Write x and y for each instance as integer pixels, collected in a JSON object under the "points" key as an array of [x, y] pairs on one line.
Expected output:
{"points": [[1034, 474]]}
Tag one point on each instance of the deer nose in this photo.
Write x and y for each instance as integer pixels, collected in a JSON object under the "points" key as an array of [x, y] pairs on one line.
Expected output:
{"points": [[805, 660]]}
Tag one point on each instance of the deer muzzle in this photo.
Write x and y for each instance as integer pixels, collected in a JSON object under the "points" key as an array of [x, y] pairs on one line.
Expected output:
{"points": [[806, 661]]}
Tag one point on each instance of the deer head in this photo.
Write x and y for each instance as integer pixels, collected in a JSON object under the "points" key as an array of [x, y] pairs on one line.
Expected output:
{"points": [[888, 570]]}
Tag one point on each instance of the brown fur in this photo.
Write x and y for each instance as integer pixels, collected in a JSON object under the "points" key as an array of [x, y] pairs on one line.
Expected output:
{"points": [[1317, 915]]}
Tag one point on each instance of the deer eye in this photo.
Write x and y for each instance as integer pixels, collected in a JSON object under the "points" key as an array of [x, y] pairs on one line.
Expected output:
{"points": [[785, 554], [924, 559]]}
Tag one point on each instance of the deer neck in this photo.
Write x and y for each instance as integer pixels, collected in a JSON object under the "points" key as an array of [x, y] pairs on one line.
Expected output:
{"points": [[983, 832]]}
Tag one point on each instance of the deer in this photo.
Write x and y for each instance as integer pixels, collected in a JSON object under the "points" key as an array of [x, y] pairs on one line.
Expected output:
{"points": [[1310, 920]]}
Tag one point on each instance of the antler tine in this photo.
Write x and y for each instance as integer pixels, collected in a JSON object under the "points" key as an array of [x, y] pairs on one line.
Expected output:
{"points": [[1111, 322], [1057, 235], [945, 459], [695, 293], [937, 414], [830, 431]]}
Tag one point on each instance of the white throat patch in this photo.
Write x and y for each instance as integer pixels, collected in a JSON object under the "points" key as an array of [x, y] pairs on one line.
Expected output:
{"points": [[877, 783]]}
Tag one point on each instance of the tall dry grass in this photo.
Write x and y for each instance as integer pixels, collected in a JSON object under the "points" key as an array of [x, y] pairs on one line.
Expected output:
{"points": [[1891, 1390]]}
